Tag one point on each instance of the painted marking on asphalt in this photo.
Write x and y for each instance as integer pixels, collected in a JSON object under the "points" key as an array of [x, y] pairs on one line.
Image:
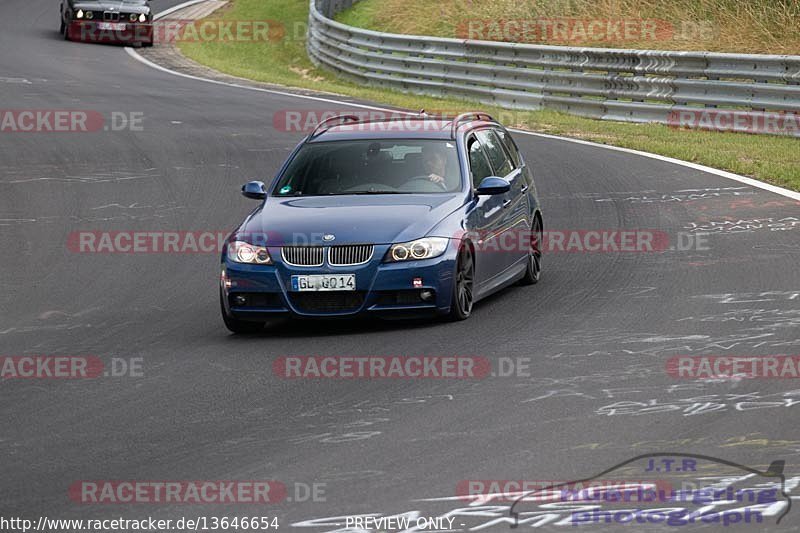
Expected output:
{"points": [[15, 80], [722, 173]]}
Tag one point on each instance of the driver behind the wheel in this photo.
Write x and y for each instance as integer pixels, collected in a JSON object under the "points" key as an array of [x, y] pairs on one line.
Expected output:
{"points": [[435, 164]]}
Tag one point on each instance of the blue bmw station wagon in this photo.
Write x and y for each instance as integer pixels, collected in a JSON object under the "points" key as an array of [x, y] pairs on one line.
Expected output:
{"points": [[396, 218]]}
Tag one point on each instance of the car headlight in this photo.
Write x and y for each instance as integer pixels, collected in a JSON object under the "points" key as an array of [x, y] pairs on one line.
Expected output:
{"points": [[133, 17], [79, 14], [420, 249], [142, 18], [243, 252], [89, 15]]}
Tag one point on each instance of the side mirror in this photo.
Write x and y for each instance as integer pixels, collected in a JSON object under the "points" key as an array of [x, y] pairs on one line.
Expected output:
{"points": [[776, 468], [493, 185], [254, 190]]}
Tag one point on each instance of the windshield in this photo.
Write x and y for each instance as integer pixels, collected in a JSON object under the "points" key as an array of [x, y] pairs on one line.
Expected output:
{"points": [[372, 167]]}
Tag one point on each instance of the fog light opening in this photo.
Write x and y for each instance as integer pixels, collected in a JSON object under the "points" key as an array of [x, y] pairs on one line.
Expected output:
{"points": [[240, 300], [426, 295], [226, 281]]}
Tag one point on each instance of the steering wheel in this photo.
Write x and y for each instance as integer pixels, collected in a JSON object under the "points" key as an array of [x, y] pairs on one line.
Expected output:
{"points": [[369, 186], [441, 184]]}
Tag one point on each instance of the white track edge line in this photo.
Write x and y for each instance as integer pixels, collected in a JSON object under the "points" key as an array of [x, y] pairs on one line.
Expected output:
{"points": [[710, 170], [722, 173], [173, 9]]}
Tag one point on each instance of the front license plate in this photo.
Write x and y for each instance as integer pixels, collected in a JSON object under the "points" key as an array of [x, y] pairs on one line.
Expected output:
{"points": [[111, 26], [326, 282]]}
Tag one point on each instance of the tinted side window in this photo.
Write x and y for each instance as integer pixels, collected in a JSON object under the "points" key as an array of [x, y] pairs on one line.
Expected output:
{"points": [[497, 156], [478, 164], [508, 142]]}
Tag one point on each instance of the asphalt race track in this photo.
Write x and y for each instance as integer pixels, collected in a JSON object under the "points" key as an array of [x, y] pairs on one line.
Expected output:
{"points": [[596, 331]]}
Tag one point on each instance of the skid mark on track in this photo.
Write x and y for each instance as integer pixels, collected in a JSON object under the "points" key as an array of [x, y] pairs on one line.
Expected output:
{"points": [[732, 225], [751, 297], [703, 404], [655, 346], [752, 319], [370, 416], [89, 178], [754, 440], [680, 196]]}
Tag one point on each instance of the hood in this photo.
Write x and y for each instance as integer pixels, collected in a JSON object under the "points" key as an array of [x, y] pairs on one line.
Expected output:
{"points": [[126, 6], [370, 219]]}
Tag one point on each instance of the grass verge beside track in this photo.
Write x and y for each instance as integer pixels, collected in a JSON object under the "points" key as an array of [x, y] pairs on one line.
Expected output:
{"points": [[768, 158], [738, 26]]}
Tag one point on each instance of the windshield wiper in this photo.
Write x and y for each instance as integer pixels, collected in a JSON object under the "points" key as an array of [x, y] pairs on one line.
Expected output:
{"points": [[366, 192]]}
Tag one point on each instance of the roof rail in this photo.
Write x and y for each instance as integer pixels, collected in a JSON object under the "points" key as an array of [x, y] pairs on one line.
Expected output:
{"points": [[469, 116], [323, 126]]}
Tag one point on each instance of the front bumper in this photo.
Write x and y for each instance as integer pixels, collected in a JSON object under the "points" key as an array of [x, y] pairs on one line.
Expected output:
{"points": [[257, 292], [90, 30]]}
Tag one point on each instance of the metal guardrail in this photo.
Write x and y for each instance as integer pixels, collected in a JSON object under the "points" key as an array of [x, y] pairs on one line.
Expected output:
{"points": [[714, 90]]}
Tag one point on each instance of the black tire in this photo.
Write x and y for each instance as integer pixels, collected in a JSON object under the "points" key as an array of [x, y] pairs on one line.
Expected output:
{"points": [[63, 27], [463, 286], [67, 36], [238, 326], [533, 270], [146, 44]]}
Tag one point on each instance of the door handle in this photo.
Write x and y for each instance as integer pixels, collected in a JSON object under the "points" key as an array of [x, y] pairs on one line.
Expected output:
{"points": [[525, 188], [506, 203]]}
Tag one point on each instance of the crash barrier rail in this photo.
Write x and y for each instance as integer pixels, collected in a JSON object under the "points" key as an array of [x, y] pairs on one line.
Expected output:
{"points": [[743, 92]]}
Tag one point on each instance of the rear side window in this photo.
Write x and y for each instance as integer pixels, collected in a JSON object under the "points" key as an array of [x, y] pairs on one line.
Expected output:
{"points": [[511, 148], [478, 164], [497, 155]]}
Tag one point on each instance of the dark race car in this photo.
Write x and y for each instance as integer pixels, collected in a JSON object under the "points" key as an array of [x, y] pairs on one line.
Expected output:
{"points": [[120, 21]]}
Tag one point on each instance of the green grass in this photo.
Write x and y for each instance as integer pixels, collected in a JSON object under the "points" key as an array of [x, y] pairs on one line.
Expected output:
{"points": [[768, 158], [741, 26]]}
